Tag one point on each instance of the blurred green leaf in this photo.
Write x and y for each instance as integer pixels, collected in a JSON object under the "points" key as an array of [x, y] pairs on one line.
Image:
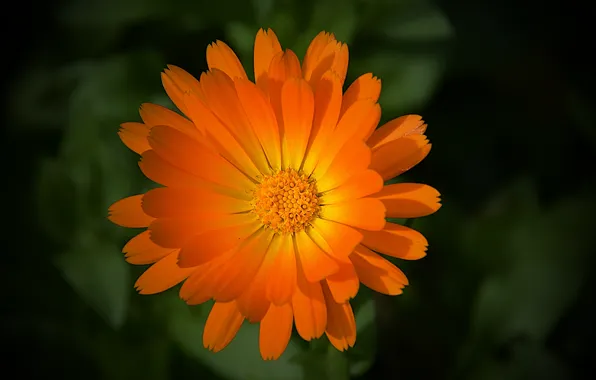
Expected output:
{"points": [[482, 235], [409, 80], [548, 257], [242, 40], [337, 364], [37, 98], [115, 180], [416, 21], [263, 10], [108, 93], [57, 205], [99, 274], [241, 359], [361, 356], [528, 361], [343, 23], [112, 14], [142, 357], [583, 114], [313, 358], [97, 25], [321, 360], [413, 61]]}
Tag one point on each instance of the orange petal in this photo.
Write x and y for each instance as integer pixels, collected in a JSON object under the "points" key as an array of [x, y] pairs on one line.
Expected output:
{"points": [[398, 156], [162, 275], [174, 92], [198, 286], [221, 56], [344, 284], [409, 200], [341, 324], [128, 212], [161, 171], [261, 118], [222, 99], [353, 158], [218, 240], [323, 54], [358, 119], [316, 264], [315, 49], [275, 331], [192, 253], [402, 126], [142, 250], [196, 159], [237, 274], [340, 238], [176, 232], [166, 202], [134, 136], [176, 82], [219, 136], [365, 213], [397, 241], [153, 115], [266, 46], [282, 280], [360, 185], [377, 273], [297, 105], [221, 327], [254, 302], [365, 86], [327, 98], [308, 303], [340, 63], [186, 81], [284, 65]]}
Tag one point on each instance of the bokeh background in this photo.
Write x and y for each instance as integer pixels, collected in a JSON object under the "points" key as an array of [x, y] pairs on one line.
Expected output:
{"points": [[507, 288]]}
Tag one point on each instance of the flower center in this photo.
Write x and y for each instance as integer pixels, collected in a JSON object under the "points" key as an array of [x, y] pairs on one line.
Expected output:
{"points": [[286, 201]]}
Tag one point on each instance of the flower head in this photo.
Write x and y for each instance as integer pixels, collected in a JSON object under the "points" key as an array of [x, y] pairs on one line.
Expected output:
{"points": [[273, 202]]}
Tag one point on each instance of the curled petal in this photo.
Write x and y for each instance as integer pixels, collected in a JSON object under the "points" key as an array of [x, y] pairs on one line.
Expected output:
{"points": [[128, 212], [398, 156], [397, 241], [409, 200], [341, 324], [134, 136], [221, 56], [377, 273], [366, 86], [402, 126]]}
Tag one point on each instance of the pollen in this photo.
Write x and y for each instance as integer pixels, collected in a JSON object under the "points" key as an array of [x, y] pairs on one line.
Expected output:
{"points": [[287, 201]]}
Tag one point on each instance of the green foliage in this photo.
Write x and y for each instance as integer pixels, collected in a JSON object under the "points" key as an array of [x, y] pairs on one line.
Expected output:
{"points": [[508, 257], [97, 272], [187, 330], [361, 357], [539, 260], [548, 262]]}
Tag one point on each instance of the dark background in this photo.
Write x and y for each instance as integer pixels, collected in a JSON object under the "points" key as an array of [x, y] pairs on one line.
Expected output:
{"points": [[507, 288]]}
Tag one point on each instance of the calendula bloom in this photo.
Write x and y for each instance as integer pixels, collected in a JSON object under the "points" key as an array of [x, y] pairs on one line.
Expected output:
{"points": [[273, 202]]}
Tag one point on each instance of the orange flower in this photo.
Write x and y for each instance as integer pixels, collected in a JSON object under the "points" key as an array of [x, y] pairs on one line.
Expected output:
{"points": [[273, 201]]}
